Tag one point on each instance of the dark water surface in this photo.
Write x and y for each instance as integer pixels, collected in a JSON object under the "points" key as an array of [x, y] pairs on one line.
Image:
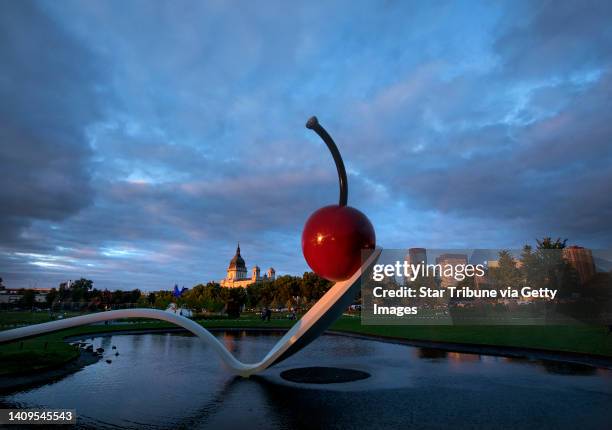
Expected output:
{"points": [[173, 381]]}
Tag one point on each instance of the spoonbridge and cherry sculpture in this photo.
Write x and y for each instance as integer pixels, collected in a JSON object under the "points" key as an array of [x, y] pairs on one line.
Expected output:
{"points": [[333, 241]]}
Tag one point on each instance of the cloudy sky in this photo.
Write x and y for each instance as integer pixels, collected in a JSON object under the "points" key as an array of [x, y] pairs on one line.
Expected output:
{"points": [[139, 141]]}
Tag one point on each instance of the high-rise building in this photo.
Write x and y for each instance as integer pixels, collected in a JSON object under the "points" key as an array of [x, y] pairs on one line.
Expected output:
{"points": [[453, 260], [581, 259], [417, 256]]}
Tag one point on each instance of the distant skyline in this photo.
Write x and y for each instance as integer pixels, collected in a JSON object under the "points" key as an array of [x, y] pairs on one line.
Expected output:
{"points": [[140, 141]]}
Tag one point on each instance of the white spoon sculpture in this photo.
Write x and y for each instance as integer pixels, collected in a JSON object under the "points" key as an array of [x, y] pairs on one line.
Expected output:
{"points": [[304, 331]]}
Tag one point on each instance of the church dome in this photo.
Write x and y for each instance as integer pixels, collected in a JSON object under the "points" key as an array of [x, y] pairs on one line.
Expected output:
{"points": [[237, 262]]}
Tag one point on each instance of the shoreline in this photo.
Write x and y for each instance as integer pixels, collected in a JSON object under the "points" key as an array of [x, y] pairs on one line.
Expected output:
{"points": [[10, 384], [592, 360]]}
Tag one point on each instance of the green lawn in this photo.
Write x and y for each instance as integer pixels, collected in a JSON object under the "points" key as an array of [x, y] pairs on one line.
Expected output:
{"points": [[50, 350], [36, 354], [581, 339], [10, 319]]}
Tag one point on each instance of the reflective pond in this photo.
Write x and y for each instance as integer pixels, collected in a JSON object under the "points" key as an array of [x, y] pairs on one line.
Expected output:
{"points": [[174, 381]]}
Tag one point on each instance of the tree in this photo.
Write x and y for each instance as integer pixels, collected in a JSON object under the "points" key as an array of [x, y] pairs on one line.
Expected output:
{"points": [[51, 296], [79, 289], [254, 293], [556, 272], [287, 288], [28, 298], [134, 296], [235, 298], [506, 274], [547, 243], [85, 284], [163, 299], [531, 267], [313, 287], [151, 299]]}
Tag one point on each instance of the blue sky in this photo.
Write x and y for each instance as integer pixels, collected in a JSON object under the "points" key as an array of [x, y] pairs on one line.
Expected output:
{"points": [[141, 140]]}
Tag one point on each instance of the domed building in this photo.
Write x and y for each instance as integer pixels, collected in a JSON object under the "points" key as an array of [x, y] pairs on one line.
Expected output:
{"points": [[237, 273]]}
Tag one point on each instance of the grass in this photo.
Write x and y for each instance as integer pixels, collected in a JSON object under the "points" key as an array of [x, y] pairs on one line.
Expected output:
{"points": [[35, 355], [10, 319], [593, 340], [51, 350]]}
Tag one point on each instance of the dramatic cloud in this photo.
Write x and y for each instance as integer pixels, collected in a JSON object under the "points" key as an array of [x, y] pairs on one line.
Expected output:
{"points": [[48, 95], [140, 142]]}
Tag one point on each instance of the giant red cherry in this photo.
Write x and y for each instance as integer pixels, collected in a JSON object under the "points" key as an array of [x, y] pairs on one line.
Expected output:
{"points": [[335, 236]]}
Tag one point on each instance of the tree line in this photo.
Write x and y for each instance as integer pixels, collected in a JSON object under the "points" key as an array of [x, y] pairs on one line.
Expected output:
{"points": [[284, 292], [540, 267]]}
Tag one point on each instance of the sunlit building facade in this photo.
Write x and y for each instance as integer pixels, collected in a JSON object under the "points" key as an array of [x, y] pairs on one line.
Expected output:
{"points": [[581, 259], [237, 274], [453, 260]]}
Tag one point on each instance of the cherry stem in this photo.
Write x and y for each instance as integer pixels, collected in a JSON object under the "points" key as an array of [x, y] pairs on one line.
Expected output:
{"points": [[313, 124]]}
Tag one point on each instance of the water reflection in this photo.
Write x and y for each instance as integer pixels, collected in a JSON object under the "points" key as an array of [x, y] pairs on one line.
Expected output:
{"points": [[562, 368], [460, 357], [430, 353], [463, 357], [175, 381], [228, 341], [550, 366]]}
